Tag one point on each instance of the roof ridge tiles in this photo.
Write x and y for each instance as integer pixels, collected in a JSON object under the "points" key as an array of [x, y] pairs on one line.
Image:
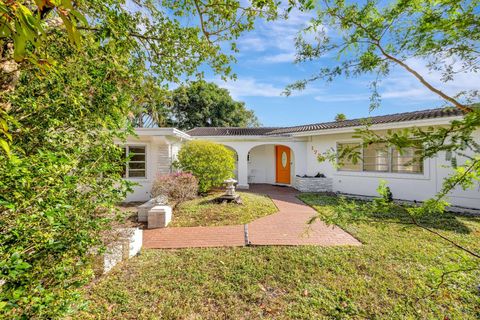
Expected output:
{"points": [[268, 131]]}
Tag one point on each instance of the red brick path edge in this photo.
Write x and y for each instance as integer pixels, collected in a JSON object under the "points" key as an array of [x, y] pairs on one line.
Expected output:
{"points": [[286, 227]]}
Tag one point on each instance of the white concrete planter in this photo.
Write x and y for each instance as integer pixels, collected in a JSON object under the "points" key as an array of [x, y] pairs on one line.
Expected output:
{"points": [[128, 246], [313, 184]]}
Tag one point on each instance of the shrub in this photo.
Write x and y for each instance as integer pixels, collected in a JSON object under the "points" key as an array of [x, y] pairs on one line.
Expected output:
{"points": [[384, 191], [59, 187], [210, 162], [178, 187]]}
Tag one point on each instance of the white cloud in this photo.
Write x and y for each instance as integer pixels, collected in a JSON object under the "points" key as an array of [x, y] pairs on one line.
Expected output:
{"points": [[252, 43], [403, 86], [277, 37], [279, 58], [249, 87]]}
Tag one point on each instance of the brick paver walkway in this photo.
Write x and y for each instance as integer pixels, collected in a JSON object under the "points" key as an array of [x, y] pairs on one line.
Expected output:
{"points": [[286, 227]]}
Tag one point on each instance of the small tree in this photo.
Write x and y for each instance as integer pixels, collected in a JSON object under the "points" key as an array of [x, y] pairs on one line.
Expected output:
{"points": [[210, 162], [340, 117]]}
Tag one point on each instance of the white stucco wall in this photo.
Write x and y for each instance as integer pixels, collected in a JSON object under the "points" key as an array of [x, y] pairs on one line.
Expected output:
{"points": [[404, 186], [261, 166], [161, 152]]}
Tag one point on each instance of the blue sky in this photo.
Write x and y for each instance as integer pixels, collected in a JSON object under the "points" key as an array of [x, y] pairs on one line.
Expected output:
{"points": [[265, 66]]}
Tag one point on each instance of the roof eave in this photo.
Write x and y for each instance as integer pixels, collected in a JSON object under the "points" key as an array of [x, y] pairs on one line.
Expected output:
{"points": [[246, 138], [173, 132], [381, 126]]}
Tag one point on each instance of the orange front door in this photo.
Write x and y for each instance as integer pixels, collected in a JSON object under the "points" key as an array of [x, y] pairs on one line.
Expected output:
{"points": [[282, 154]]}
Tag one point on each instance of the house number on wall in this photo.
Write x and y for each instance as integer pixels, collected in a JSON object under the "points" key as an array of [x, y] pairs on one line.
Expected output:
{"points": [[284, 159]]}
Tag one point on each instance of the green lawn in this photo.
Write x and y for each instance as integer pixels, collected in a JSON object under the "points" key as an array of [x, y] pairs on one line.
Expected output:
{"points": [[389, 277], [203, 212]]}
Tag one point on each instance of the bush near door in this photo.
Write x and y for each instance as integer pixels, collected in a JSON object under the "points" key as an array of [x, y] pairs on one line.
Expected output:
{"points": [[211, 163]]}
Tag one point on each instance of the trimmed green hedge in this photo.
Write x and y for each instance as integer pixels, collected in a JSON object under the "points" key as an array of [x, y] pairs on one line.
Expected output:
{"points": [[211, 163]]}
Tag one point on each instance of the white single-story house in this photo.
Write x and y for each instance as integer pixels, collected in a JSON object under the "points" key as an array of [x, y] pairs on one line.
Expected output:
{"points": [[283, 155]]}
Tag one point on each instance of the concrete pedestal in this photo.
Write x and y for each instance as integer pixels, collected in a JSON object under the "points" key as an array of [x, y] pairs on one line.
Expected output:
{"points": [[143, 210], [159, 217]]}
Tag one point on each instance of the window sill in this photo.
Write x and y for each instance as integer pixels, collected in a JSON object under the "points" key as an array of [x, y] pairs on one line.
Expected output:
{"points": [[138, 179], [391, 175]]}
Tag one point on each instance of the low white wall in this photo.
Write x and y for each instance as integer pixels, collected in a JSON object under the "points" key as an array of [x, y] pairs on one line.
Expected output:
{"points": [[127, 247], [313, 184]]}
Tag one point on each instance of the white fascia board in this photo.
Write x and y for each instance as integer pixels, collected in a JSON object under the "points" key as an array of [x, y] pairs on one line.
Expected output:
{"points": [[383, 126], [173, 132], [274, 138]]}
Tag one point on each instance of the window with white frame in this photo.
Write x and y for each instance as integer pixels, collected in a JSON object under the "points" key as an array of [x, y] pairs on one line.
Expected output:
{"points": [[136, 166], [378, 157]]}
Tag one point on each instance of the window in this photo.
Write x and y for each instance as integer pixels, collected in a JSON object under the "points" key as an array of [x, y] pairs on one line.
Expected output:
{"points": [[136, 166], [348, 163], [377, 157], [407, 160]]}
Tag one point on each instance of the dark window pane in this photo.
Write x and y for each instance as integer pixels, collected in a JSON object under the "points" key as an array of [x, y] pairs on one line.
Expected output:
{"points": [[137, 157], [137, 149], [136, 165], [137, 174]]}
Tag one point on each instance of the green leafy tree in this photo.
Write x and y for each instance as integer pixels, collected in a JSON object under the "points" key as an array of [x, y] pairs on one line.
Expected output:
{"points": [[203, 104], [59, 186], [62, 114], [373, 39], [340, 117], [158, 32], [23, 32], [211, 163]]}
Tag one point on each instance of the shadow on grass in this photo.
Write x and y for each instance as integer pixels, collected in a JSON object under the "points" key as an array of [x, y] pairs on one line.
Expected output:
{"points": [[445, 221]]}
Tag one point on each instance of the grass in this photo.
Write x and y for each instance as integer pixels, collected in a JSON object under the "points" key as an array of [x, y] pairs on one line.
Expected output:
{"points": [[393, 275], [204, 212]]}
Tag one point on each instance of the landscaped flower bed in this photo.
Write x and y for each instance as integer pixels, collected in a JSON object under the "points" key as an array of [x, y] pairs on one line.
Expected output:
{"points": [[204, 211]]}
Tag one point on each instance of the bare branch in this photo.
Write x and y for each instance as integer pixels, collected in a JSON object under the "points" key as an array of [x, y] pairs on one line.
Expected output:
{"points": [[422, 80]]}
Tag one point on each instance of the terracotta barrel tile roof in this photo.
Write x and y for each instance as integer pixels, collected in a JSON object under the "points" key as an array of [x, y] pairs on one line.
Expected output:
{"points": [[397, 117], [230, 131], [266, 131]]}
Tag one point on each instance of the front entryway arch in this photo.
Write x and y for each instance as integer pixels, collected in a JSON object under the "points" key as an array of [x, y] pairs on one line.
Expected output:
{"points": [[249, 151], [271, 163]]}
